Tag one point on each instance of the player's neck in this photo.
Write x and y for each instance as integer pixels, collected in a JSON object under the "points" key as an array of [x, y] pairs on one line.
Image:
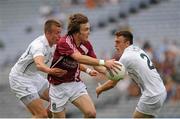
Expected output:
{"points": [[76, 41], [49, 41]]}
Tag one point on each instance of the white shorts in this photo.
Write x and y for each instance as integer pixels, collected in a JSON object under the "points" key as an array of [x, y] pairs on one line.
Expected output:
{"points": [[61, 94], [23, 85], [151, 105]]}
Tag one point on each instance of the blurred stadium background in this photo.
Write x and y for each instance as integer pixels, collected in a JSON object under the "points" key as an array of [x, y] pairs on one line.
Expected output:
{"points": [[154, 23]]}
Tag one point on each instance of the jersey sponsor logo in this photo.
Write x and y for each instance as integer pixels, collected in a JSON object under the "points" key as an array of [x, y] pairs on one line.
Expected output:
{"points": [[69, 63]]}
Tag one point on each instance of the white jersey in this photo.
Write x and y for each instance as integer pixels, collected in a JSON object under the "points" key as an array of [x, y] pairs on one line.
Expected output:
{"points": [[141, 70], [39, 47]]}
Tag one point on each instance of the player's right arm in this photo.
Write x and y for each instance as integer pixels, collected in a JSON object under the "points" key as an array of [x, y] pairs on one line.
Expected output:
{"points": [[92, 61], [66, 48], [106, 86], [41, 66]]}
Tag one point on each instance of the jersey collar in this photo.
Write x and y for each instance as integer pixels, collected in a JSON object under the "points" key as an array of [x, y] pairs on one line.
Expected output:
{"points": [[128, 48], [132, 47]]}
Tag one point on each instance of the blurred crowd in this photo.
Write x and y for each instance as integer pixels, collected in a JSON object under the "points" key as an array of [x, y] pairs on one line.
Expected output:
{"points": [[47, 11]]}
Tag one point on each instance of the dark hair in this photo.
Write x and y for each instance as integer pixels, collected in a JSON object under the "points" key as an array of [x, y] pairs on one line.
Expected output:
{"points": [[49, 23], [75, 21], [146, 45], [126, 34]]}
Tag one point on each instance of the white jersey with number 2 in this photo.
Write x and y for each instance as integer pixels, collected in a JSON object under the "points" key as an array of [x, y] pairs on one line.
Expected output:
{"points": [[141, 70]]}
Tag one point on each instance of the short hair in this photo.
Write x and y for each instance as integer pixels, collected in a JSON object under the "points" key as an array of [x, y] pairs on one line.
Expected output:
{"points": [[75, 21], [126, 34], [49, 23]]}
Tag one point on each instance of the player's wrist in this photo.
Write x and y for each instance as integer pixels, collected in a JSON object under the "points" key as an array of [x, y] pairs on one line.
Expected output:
{"points": [[88, 70], [101, 62], [49, 71]]}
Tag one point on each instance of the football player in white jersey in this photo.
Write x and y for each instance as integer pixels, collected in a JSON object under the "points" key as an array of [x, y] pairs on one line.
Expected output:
{"points": [[141, 70], [25, 79]]}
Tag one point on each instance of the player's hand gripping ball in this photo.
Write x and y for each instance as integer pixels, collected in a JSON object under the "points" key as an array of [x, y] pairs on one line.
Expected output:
{"points": [[116, 73]]}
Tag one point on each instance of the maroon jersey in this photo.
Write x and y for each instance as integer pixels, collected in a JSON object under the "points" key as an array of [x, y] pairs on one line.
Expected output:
{"points": [[66, 47]]}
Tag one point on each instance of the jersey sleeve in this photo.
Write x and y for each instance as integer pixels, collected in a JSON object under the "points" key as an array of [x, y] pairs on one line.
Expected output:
{"points": [[125, 60]]}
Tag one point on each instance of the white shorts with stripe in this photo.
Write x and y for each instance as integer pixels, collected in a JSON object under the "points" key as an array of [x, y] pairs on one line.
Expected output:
{"points": [[23, 85], [61, 94], [151, 105]]}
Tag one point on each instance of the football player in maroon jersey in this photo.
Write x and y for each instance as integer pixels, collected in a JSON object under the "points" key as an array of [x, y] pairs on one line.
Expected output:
{"points": [[72, 51]]}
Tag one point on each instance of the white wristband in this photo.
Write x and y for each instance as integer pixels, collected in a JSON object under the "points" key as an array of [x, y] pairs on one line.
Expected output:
{"points": [[101, 62], [88, 70]]}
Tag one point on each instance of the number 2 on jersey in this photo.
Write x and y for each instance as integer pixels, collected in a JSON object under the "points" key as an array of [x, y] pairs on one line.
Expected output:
{"points": [[149, 63]]}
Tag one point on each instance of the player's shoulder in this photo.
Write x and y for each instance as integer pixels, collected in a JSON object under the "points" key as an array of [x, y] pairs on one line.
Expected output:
{"points": [[40, 39], [133, 48], [65, 39], [128, 55], [65, 42], [132, 51], [39, 42], [125, 58], [87, 45]]}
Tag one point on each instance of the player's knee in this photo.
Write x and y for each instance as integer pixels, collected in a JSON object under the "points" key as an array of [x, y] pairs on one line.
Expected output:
{"points": [[90, 114]]}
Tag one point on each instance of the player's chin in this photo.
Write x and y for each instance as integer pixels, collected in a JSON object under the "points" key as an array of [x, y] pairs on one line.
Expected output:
{"points": [[85, 41], [87, 38], [56, 40]]}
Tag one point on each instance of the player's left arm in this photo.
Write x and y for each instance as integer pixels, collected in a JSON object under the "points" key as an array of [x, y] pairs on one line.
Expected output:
{"points": [[100, 69], [41, 66], [106, 86]]}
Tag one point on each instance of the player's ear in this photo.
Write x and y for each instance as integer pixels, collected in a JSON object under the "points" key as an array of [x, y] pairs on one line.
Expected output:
{"points": [[127, 43]]}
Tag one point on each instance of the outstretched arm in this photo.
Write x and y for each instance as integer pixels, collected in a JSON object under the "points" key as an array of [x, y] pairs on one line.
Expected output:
{"points": [[41, 66], [100, 69], [106, 86], [92, 61]]}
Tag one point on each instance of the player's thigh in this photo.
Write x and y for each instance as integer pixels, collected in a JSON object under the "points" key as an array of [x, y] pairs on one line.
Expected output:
{"points": [[36, 107], [150, 105], [85, 104], [34, 104], [22, 86], [58, 98], [42, 87], [45, 94]]}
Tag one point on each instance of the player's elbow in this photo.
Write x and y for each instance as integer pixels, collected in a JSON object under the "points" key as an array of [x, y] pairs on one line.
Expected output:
{"points": [[76, 56], [112, 86]]}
